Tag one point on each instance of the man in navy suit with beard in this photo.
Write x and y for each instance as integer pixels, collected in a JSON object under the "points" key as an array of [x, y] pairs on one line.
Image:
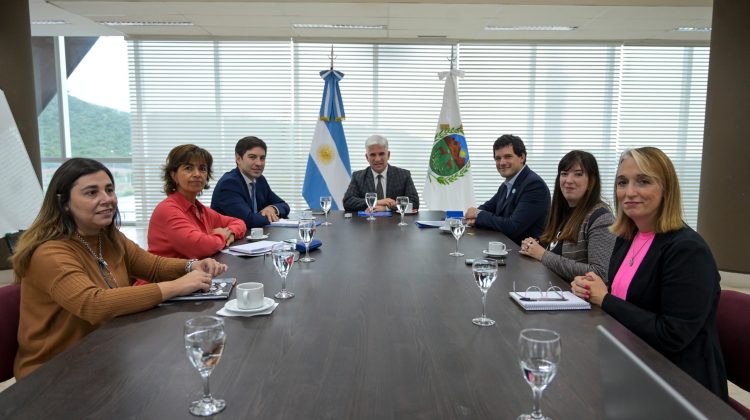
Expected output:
{"points": [[521, 205], [244, 192]]}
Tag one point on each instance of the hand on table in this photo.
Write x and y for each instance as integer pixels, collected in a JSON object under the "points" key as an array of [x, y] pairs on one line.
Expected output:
{"points": [[590, 287], [209, 266], [189, 283], [530, 247], [271, 213]]}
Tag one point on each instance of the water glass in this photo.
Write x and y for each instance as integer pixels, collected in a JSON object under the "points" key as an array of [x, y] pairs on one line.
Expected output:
{"points": [[539, 354], [457, 229], [370, 199], [325, 204], [485, 273], [306, 230], [283, 259], [401, 204], [204, 342]]}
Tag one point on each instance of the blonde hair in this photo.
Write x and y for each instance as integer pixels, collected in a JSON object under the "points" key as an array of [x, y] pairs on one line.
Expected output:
{"points": [[657, 165], [53, 221]]}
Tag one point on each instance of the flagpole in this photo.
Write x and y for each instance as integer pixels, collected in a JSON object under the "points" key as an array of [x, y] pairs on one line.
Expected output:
{"points": [[331, 56]]}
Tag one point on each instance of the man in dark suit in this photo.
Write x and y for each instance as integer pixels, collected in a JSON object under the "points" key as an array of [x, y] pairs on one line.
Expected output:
{"points": [[244, 192], [386, 180], [521, 205]]}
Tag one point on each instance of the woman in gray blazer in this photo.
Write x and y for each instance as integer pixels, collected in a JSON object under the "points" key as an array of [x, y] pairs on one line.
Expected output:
{"points": [[576, 239]]}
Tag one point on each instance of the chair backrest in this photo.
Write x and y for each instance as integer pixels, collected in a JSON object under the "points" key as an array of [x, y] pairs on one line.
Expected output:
{"points": [[10, 304], [733, 324]]}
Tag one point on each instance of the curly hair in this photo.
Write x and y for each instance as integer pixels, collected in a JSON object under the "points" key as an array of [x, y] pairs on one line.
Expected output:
{"points": [[182, 155]]}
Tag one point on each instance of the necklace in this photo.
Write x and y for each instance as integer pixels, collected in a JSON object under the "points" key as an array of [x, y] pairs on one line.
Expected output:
{"points": [[103, 266], [632, 257]]}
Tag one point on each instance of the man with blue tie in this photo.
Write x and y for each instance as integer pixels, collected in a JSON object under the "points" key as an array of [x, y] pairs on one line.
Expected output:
{"points": [[521, 205], [244, 192]]}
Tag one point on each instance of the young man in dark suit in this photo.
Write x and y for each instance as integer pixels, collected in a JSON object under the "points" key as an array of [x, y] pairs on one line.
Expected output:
{"points": [[244, 192], [521, 205], [386, 180]]}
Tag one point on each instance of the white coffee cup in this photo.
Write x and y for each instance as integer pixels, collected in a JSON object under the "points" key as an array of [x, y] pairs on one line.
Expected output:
{"points": [[250, 295], [409, 208], [256, 233], [496, 248]]}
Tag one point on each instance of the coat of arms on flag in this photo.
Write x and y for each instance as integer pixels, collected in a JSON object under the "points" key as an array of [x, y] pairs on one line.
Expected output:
{"points": [[449, 159]]}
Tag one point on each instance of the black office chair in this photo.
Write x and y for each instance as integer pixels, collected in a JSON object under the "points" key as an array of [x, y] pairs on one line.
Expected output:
{"points": [[11, 239]]}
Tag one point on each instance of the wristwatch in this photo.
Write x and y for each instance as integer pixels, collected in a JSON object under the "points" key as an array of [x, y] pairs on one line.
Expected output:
{"points": [[189, 265]]}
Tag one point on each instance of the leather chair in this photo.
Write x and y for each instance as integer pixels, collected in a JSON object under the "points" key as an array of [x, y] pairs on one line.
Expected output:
{"points": [[733, 323], [10, 303]]}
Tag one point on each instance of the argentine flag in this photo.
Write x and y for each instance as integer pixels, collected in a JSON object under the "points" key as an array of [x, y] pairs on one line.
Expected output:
{"points": [[328, 168]]}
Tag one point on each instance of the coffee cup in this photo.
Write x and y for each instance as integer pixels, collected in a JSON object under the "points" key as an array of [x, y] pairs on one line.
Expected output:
{"points": [[256, 233], [496, 248], [250, 295]]}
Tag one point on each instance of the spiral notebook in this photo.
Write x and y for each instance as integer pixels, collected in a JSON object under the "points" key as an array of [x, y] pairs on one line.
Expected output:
{"points": [[545, 301]]}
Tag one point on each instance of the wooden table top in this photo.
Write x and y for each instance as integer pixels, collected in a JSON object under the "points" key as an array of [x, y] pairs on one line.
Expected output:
{"points": [[380, 328]]}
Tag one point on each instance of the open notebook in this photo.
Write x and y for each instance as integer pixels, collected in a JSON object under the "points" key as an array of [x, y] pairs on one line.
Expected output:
{"points": [[540, 301]]}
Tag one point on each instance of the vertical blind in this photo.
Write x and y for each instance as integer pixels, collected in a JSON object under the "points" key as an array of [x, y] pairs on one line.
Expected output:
{"points": [[602, 98]]}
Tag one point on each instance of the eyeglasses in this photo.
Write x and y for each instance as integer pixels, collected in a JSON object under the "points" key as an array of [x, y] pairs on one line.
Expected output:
{"points": [[535, 293]]}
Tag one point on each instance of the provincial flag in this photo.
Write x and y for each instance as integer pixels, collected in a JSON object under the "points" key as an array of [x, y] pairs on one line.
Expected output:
{"points": [[328, 168], [449, 184]]}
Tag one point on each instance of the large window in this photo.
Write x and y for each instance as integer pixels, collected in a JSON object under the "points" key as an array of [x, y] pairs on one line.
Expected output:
{"points": [[600, 97], [93, 119]]}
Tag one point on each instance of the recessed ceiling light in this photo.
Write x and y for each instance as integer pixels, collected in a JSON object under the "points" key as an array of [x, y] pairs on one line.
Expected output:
{"points": [[529, 28], [693, 29], [49, 22], [144, 23], [336, 26]]}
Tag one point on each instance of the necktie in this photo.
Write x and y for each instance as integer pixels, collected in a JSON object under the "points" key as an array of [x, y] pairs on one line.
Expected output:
{"points": [[379, 187], [253, 203]]}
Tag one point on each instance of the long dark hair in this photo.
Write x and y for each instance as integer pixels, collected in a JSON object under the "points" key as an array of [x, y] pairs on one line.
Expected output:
{"points": [[53, 221], [591, 199]]}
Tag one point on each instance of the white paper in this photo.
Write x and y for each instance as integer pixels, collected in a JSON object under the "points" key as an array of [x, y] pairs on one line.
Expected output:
{"points": [[432, 223], [285, 223], [254, 248]]}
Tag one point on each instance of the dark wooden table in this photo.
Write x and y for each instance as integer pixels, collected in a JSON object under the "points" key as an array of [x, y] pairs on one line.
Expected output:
{"points": [[380, 328]]}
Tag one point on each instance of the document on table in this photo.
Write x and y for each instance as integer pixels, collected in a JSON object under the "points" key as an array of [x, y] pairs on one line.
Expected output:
{"points": [[430, 223], [549, 301], [254, 248]]}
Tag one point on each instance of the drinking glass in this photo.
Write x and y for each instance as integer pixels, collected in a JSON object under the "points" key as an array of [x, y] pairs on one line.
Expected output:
{"points": [[457, 229], [204, 342], [370, 199], [485, 273], [283, 259], [401, 203], [325, 204], [539, 353], [306, 232]]}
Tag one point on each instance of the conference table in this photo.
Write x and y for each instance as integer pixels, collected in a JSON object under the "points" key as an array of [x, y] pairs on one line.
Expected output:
{"points": [[380, 328]]}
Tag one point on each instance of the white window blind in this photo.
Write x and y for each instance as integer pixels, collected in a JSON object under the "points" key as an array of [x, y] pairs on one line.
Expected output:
{"points": [[601, 98]]}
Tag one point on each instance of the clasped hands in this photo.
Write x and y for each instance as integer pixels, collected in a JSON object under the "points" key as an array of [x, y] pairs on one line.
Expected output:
{"points": [[590, 287], [384, 204], [531, 248]]}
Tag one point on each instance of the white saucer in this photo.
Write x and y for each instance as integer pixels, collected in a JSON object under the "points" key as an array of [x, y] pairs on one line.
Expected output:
{"points": [[250, 238], [502, 254], [231, 306]]}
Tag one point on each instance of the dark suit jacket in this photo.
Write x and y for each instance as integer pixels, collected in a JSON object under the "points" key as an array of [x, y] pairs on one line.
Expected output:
{"points": [[232, 198], [671, 304], [523, 213], [398, 183]]}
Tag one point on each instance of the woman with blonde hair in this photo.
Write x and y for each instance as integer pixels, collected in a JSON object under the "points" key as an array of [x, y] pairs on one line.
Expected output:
{"points": [[576, 239], [75, 267], [665, 286], [181, 226]]}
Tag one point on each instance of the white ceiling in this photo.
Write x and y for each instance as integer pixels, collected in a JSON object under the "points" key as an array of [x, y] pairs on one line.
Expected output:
{"points": [[637, 21]]}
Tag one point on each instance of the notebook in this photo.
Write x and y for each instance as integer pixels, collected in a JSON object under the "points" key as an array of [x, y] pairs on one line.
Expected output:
{"points": [[220, 289], [254, 248], [535, 301]]}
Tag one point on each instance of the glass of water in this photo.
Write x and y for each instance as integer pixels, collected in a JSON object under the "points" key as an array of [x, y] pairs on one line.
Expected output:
{"points": [[401, 203], [325, 204], [539, 354], [370, 199], [485, 273], [283, 259], [306, 232], [204, 342], [457, 229]]}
